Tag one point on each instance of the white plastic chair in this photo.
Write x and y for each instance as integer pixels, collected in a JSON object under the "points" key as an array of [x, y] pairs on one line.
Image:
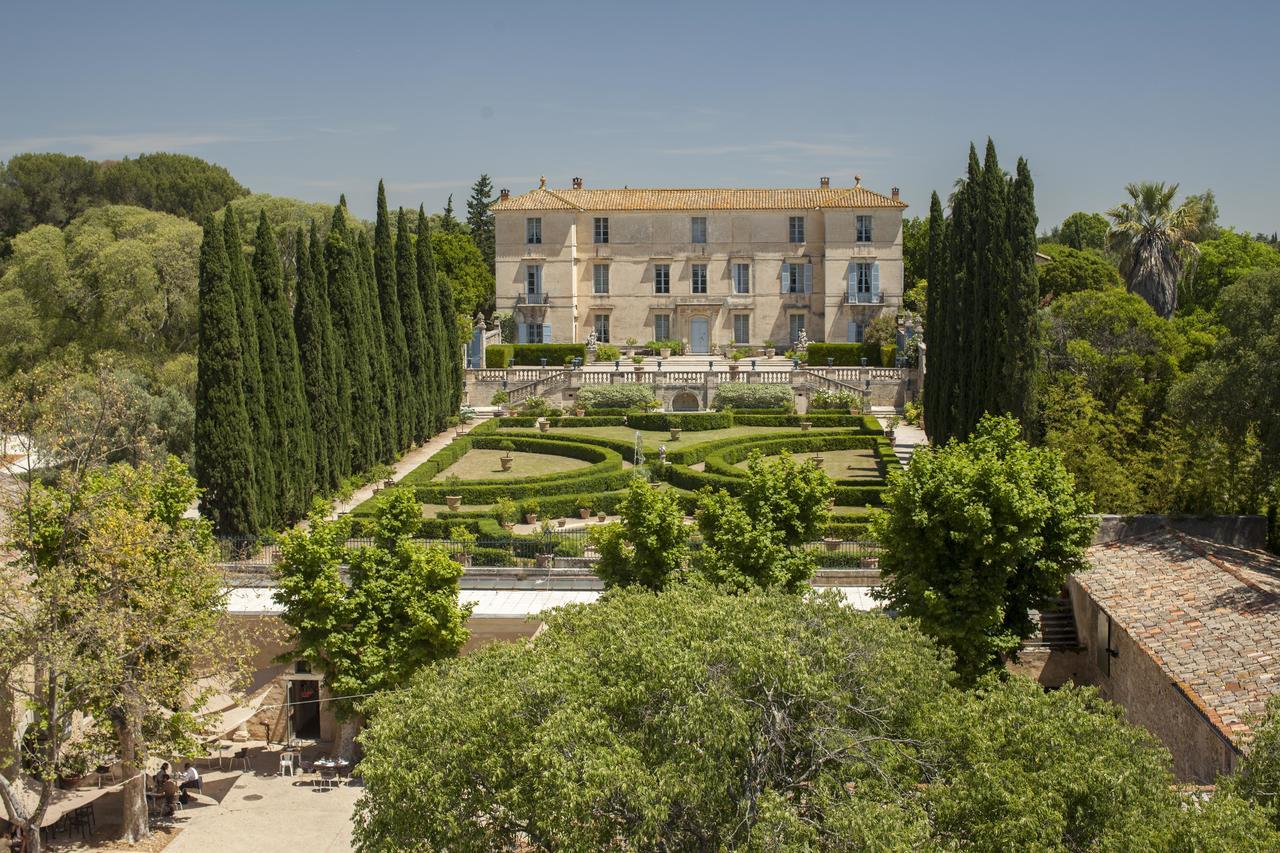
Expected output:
{"points": [[286, 763]]}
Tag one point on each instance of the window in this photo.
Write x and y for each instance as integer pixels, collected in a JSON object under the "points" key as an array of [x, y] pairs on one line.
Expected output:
{"points": [[699, 224], [662, 278], [864, 282], [662, 327], [795, 325], [600, 278], [741, 328], [795, 229], [855, 332], [533, 230], [742, 278], [699, 278], [797, 278], [602, 328], [535, 333], [602, 229], [533, 284], [863, 229]]}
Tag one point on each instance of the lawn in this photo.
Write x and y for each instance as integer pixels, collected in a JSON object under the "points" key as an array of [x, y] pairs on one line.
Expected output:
{"points": [[484, 465], [842, 464], [652, 439]]}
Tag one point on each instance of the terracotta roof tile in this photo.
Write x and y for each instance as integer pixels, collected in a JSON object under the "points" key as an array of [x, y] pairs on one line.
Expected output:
{"points": [[697, 199], [1208, 614]]}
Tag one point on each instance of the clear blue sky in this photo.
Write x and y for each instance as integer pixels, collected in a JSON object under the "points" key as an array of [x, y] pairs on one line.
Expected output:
{"points": [[314, 99]]}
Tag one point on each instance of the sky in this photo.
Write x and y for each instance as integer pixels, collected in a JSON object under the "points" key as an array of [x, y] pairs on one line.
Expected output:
{"points": [[315, 99]]}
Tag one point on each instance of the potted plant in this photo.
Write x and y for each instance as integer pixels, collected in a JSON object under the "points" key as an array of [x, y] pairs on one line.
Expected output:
{"points": [[465, 539], [638, 360], [816, 460], [529, 510], [561, 522], [579, 412], [543, 424], [675, 433], [664, 352], [768, 349], [452, 485], [832, 542], [504, 512], [631, 346], [804, 427], [506, 459], [735, 356], [499, 397], [890, 427], [601, 516], [584, 511]]}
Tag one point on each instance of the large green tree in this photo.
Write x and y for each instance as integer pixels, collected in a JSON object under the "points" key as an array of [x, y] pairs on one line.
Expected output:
{"points": [[1223, 261], [385, 267], [387, 428], [649, 545], [441, 374], [983, 289], [336, 361], [480, 222], [976, 534], [224, 451], [351, 338], [43, 189], [174, 183], [421, 359], [689, 719], [470, 279], [1072, 270], [395, 611], [1082, 231], [314, 335], [1152, 238]]}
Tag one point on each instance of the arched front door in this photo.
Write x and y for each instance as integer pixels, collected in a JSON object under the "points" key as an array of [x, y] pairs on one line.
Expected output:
{"points": [[699, 336]]}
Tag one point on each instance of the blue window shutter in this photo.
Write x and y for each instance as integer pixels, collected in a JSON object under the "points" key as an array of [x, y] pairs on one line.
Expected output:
{"points": [[875, 282], [785, 276], [808, 278], [538, 277], [546, 333], [522, 333], [851, 280], [849, 334]]}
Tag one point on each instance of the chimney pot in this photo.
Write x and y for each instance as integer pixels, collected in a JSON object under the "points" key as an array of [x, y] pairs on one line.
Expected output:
{"points": [[542, 182], [893, 193], [577, 183], [857, 180], [824, 182], [504, 193]]}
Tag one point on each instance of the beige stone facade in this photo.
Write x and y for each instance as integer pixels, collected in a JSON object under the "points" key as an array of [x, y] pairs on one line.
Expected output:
{"points": [[708, 266]]}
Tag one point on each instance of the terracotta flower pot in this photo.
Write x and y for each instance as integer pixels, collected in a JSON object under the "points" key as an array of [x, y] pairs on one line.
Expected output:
{"points": [[584, 513], [453, 501], [561, 522], [581, 413], [530, 518], [600, 516]]}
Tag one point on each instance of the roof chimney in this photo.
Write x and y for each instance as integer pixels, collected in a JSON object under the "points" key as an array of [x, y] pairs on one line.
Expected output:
{"points": [[542, 182], [893, 193], [577, 183], [857, 180], [504, 193], [825, 183]]}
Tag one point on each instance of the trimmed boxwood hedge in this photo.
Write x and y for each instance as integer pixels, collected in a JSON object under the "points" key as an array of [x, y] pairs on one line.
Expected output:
{"points": [[564, 421], [851, 530], [487, 492], [698, 422], [531, 355], [753, 395], [723, 461], [624, 395], [851, 355], [498, 355]]}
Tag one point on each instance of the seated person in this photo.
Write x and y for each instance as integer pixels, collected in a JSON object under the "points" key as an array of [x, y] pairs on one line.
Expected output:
{"points": [[170, 791], [161, 776], [190, 781]]}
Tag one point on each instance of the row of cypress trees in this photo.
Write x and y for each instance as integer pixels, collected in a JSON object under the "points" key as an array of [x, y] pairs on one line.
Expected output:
{"points": [[291, 400], [980, 317]]}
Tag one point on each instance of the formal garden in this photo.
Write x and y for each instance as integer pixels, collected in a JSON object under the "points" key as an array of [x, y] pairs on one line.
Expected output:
{"points": [[527, 487]]}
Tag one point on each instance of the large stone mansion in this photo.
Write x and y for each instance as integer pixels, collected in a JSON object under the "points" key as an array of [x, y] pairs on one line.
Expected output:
{"points": [[708, 266]]}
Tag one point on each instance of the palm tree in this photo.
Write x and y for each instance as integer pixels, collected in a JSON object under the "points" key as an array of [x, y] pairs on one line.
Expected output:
{"points": [[1153, 241]]}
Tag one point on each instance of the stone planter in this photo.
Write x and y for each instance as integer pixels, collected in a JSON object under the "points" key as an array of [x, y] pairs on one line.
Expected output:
{"points": [[530, 518], [804, 425], [816, 461], [580, 413], [584, 513], [543, 424], [561, 522], [675, 433], [506, 462], [600, 516], [665, 352], [733, 370], [639, 369], [768, 352], [870, 562], [454, 501], [831, 542], [545, 561], [853, 410], [888, 434]]}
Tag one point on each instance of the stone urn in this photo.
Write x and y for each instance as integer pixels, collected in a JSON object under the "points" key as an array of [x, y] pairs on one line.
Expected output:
{"points": [[561, 522], [530, 518], [768, 352], [506, 462], [804, 425], [600, 516], [816, 461], [454, 501], [580, 412], [871, 562], [832, 542], [675, 433], [665, 352], [639, 368], [584, 513], [543, 424], [733, 370]]}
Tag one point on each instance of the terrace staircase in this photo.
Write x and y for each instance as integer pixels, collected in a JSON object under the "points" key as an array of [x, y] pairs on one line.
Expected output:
{"points": [[1057, 627]]}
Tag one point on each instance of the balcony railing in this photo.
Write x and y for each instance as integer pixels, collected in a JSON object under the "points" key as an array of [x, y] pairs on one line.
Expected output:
{"points": [[532, 299], [863, 298]]}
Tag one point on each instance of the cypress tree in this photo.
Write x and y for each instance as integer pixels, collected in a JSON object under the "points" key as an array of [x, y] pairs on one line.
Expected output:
{"points": [[451, 358], [223, 441], [314, 367], [415, 332], [274, 438], [335, 364], [936, 320], [437, 390], [397, 347], [991, 351], [290, 415], [350, 326], [1022, 299], [380, 363], [246, 293]]}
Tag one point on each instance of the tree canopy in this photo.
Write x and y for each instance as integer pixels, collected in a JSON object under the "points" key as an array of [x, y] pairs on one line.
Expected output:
{"points": [[1072, 270]]}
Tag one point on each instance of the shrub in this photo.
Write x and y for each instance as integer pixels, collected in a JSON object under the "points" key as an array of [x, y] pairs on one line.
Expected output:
{"points": [[504, 510], [498, 355], [658, 421], [621, 396], [674, 344], [608, 352], [499, 398], [492, 557], [844, 355], [839, 400], [753, 395], [532, 354], [538, 407], [529, 507]]}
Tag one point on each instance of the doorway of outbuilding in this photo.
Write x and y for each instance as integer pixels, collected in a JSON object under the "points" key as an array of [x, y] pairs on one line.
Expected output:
{"points": [[685, 401]]}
